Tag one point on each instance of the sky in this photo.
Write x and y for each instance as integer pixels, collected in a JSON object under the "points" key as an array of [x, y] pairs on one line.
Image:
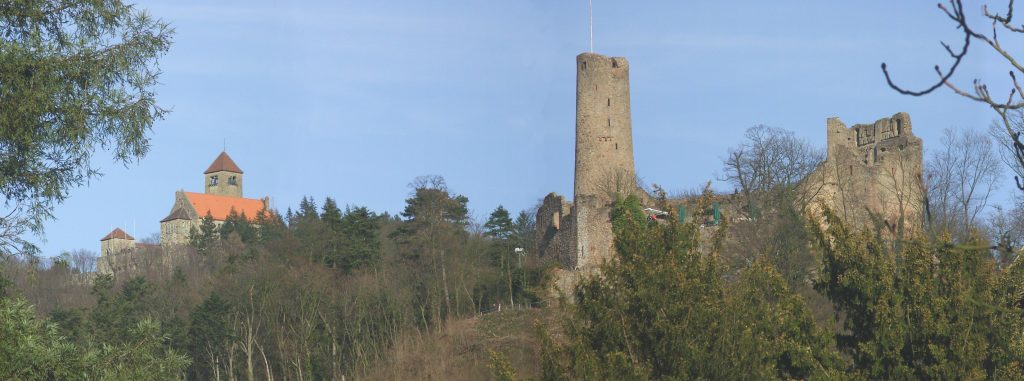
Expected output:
{"points": [[354, 99]]}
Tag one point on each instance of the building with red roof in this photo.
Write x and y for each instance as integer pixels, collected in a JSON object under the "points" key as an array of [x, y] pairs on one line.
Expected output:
{"points": [[221, 198]]}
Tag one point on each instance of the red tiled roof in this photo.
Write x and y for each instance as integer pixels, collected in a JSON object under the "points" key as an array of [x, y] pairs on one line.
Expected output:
{"points": [[223, 162], [220, 207], [117, 233]]}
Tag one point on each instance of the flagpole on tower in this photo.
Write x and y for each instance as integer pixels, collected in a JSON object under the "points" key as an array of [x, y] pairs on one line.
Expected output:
{"points": [[590, 4]]}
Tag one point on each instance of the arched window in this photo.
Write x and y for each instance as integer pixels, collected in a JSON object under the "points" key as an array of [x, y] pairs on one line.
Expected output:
{"points": [[213, 180]]}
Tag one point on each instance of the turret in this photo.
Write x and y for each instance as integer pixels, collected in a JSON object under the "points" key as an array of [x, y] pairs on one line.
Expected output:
{"points": [[223, 177]]}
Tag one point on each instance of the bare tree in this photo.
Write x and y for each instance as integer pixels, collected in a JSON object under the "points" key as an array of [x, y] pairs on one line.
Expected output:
{"points": [[82, 261], [768, 164], [1011, 132], [1006, 230], [961, 176]]}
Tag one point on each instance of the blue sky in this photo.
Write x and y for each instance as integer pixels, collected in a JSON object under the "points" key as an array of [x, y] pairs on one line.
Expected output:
{"points": [[353, 99]]}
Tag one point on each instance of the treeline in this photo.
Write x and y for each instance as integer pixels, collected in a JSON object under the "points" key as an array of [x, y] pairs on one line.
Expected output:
{"points": [[910, 309], [318, 293]]}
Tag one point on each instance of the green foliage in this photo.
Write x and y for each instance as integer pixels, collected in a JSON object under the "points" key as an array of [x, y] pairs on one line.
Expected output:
{"points": [[201, 238], [503, 370], [76, 75], [922, 310], [34, 350], [209, 333], [360, 230], [238, 225], [662, 310], [499, 224]]}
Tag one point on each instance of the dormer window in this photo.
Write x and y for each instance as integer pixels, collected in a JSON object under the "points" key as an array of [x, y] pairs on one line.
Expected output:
{"points": [[232, 180], [213, 180]]}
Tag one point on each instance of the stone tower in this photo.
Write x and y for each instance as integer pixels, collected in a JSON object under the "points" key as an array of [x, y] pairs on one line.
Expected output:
{"points": [[604, 152], [872, 170], [223, 177]]}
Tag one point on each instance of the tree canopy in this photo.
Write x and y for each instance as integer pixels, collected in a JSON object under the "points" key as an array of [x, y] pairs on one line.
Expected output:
{"points": [[75, 76]]}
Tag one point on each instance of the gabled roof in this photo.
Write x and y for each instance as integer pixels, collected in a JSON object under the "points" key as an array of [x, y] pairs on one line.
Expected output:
{"points": [[177, 214], [118, 234], [220, 207], [223, 162]]}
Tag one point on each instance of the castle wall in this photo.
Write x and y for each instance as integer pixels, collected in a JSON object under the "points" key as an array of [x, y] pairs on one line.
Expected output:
{"points": [[175, 232], [556, 230], [871, 170]]}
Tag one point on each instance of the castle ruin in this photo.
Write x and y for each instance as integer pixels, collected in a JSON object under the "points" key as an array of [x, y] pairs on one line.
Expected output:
{"points": [[872, 172]]}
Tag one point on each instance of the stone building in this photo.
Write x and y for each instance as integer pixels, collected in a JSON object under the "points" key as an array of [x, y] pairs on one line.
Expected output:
{"points": [[872, 174], [872, 170], [580, 234], [222, 183]]}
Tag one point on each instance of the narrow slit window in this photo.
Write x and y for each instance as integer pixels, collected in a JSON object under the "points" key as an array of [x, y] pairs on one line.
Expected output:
{"points": [[609, 102]]}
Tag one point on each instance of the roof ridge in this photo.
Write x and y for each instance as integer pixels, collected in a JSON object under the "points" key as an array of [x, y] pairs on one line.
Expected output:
{"points": [[223, 162]]}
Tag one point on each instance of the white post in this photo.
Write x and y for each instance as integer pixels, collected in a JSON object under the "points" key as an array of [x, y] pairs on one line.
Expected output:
{"points": [[591, 12]]}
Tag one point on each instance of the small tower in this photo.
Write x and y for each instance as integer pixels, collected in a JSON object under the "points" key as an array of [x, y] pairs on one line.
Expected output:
{"points": [[116, 242], [223, 177]]}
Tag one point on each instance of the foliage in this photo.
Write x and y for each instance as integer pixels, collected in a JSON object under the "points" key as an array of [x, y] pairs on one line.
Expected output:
{"points": [[927, 310], [34, 350], [503, 371], [662, 310], [77, 76]]}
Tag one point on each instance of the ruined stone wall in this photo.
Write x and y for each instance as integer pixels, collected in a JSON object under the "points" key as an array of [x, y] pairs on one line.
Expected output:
{"points": [[556, 230], [871, 170]]}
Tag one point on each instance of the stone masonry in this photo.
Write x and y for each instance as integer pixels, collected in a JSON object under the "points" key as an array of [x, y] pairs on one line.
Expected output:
{"points": [[872, 170]]}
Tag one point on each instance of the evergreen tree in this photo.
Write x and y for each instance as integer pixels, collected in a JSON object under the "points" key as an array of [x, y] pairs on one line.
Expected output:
{"points": [[360, 229], [209, 336], [331, 214], [499, 224], [202, 238], [922, 310], [662, 310]]}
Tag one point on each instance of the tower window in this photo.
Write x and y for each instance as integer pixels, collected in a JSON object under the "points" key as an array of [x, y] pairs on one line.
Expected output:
{"points": [[584, 66], [609, 102], [609, 122], [213, 180], [232, 180]]}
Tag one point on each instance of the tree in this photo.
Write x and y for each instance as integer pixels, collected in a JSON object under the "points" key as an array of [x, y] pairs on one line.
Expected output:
{"points": [[768, 165], [331, 215], [662, 310], [77, 76], [499, 224], [961, 175], [924, 310], [1006, 232], [1008, 109], [435, 223], [361, 245], [204, 236]]}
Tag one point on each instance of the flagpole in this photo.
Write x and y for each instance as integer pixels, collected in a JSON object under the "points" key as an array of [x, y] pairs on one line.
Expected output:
{"points": [[591, 12]]}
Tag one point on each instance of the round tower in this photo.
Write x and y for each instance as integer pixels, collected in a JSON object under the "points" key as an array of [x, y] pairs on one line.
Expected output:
{"points": [[604, 130], [604, 153]]}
